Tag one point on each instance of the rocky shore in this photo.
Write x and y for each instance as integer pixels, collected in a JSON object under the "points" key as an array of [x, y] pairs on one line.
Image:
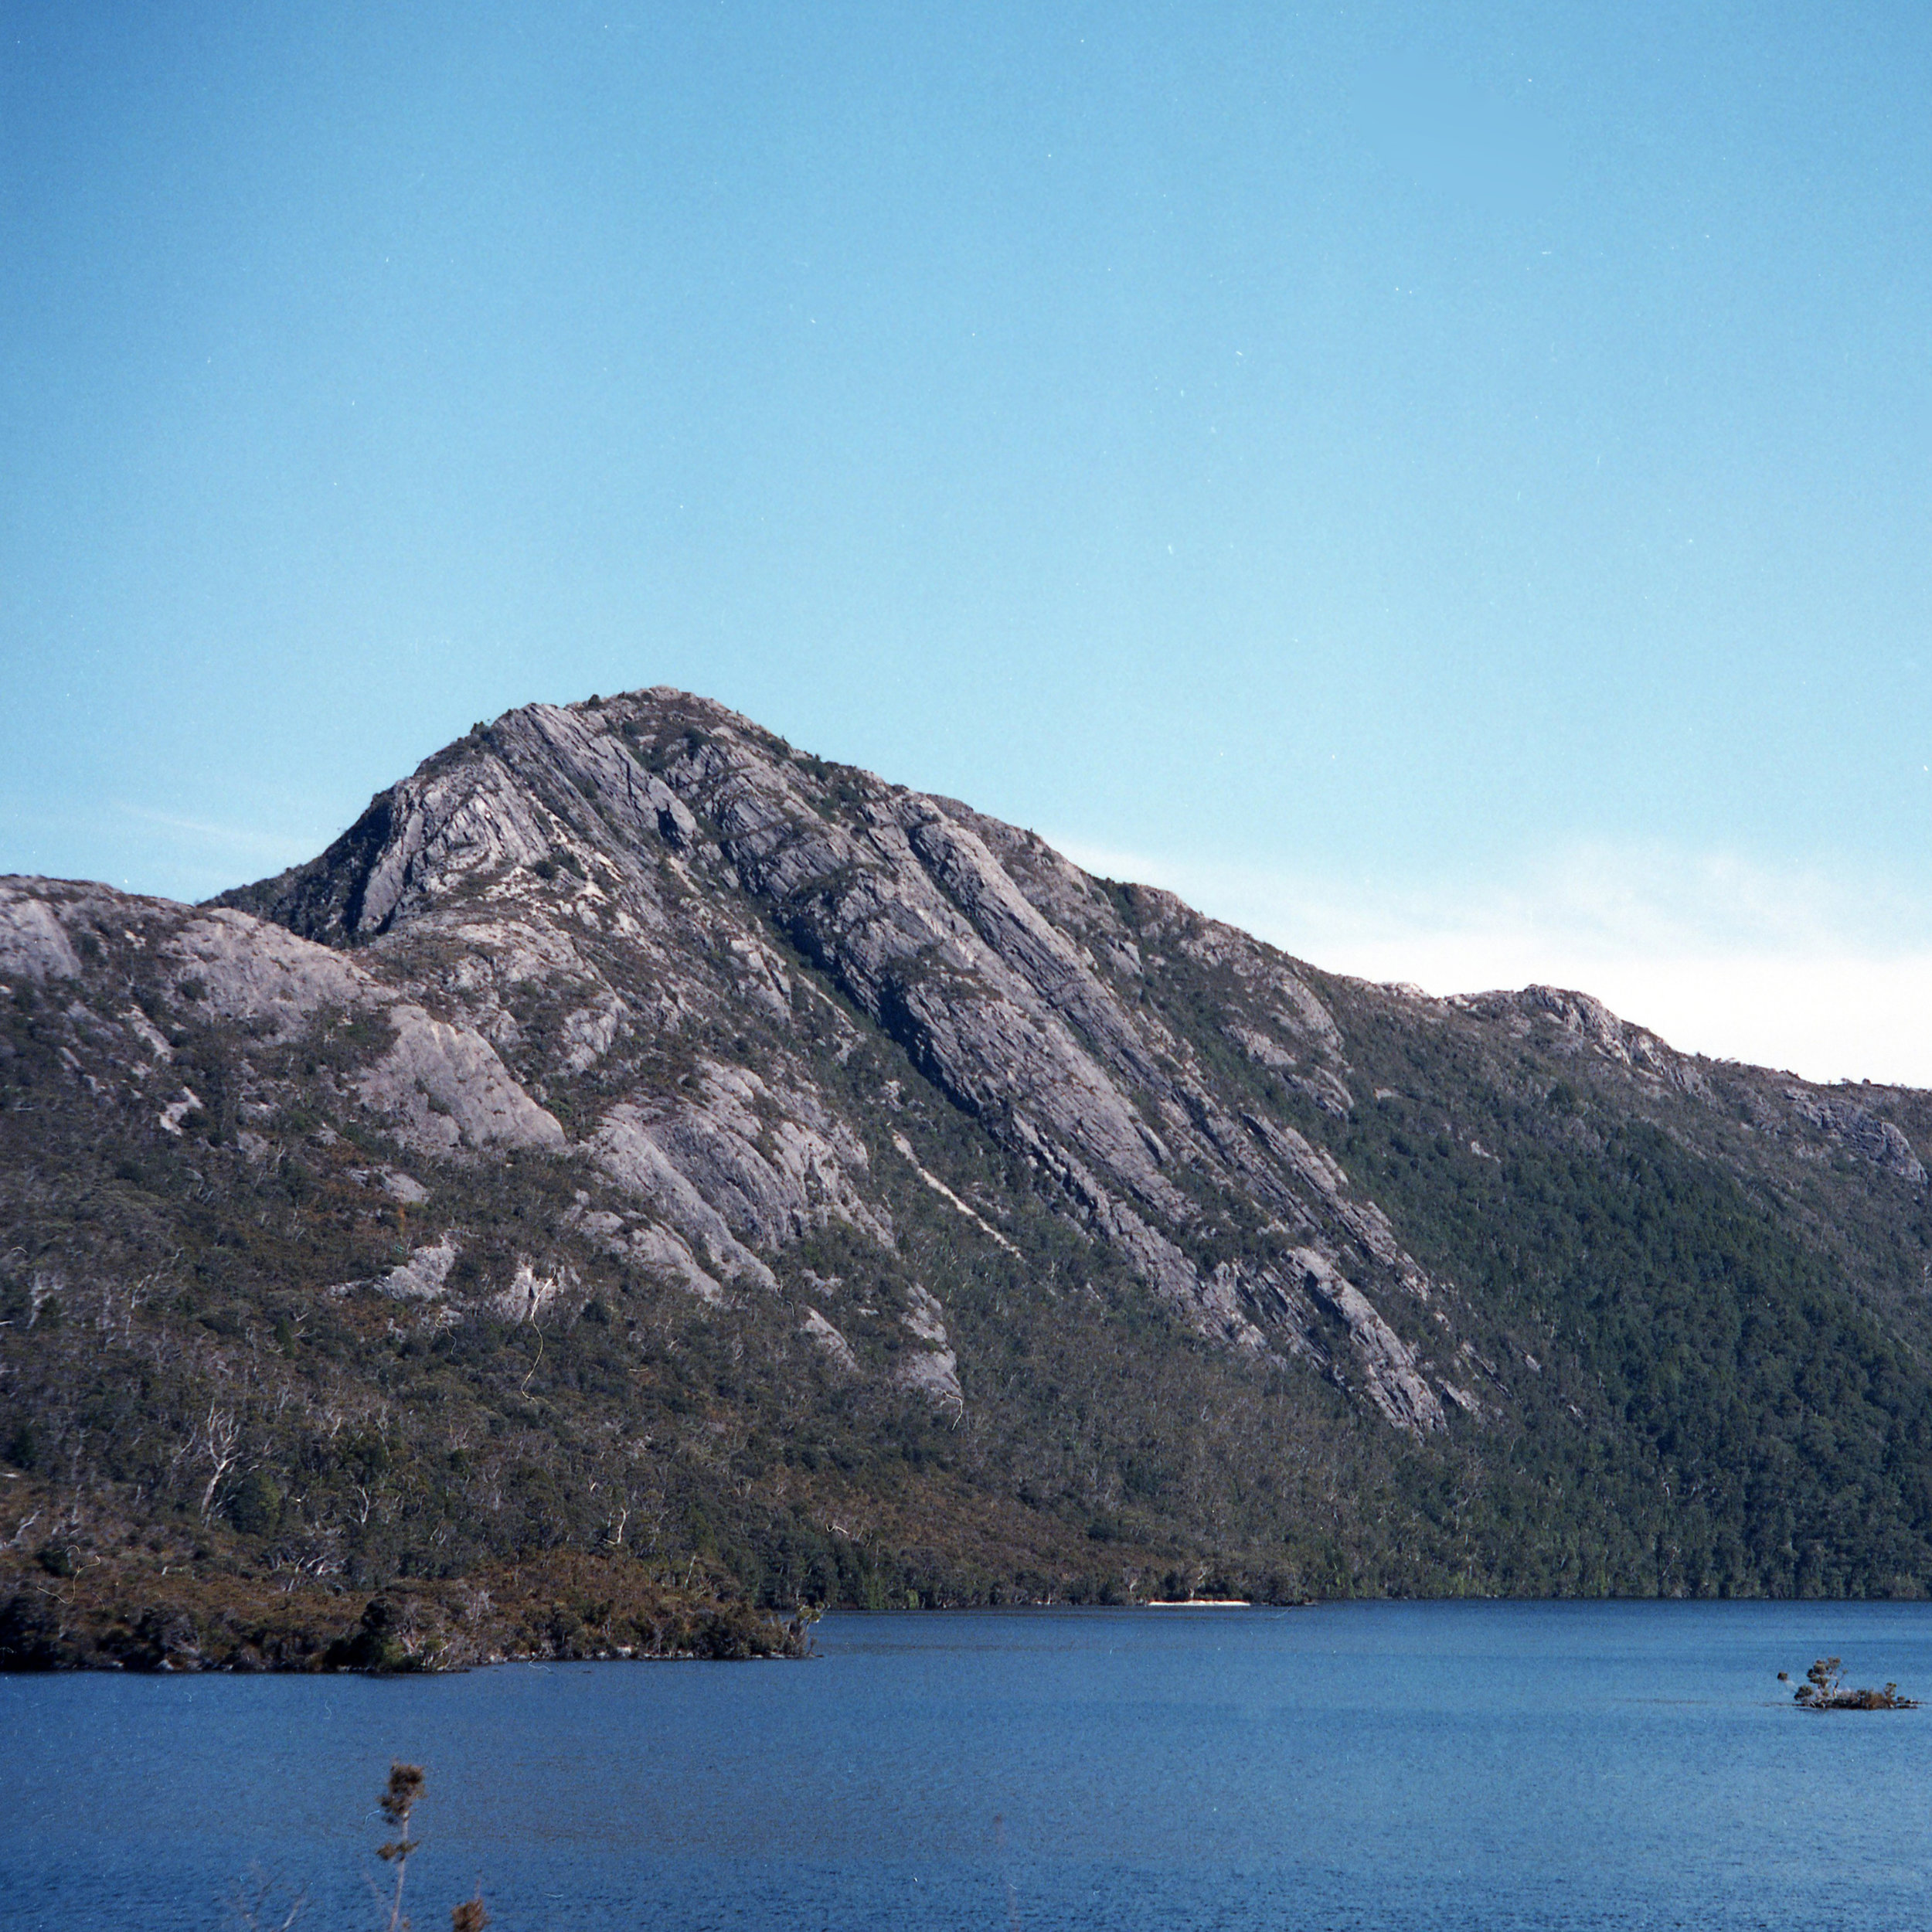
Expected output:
{"points": [[55, 1615]]}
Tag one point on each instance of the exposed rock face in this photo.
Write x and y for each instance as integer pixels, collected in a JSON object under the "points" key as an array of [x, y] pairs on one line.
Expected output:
{"points": [[1861, 1131], [594, 888], [424, 1276], [637, 1133], [932, 1370], [610, 902], [33, 945], [439, 1087], [1395, 1382], [597, 888], [1580, 1024], [828, 1339]]}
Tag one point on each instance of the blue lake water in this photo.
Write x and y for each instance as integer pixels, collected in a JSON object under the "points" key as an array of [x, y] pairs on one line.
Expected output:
{"points": [[1484, 1766]]}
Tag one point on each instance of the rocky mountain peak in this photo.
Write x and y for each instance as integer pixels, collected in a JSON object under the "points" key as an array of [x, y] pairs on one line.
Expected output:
{"points": [[632, 1104], [589, 886]]}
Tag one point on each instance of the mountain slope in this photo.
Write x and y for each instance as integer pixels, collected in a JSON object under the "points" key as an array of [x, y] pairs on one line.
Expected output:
{"points": [[633, 1133]]}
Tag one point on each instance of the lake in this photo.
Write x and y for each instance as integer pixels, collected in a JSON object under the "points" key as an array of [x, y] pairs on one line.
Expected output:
{"points": [[1363, 1765]]}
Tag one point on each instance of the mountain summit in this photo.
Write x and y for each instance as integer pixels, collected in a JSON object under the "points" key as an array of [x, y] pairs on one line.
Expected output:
{"points": [[664, 911], [636, 1135]]}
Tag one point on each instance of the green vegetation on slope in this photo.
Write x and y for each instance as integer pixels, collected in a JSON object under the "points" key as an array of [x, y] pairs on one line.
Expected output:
{"points": [[1711, 1412], [929, 1223]]}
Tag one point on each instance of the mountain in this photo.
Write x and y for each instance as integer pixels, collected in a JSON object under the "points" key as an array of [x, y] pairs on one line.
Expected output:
{"points": [[637, 1143]]}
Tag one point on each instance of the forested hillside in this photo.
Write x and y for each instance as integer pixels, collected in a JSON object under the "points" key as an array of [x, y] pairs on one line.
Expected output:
{"points": [[640, 1155]]}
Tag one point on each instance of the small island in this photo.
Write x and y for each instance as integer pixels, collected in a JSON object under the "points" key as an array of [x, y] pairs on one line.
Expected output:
{"points": [[1825, 1689]]}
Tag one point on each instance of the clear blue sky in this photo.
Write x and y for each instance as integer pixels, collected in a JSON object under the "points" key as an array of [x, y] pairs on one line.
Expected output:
{"points": [[1449, 486]]}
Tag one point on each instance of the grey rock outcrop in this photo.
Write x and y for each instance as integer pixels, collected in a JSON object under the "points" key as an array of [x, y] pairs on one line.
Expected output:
{"points": [[637, 1134], [652, 907], [1861, 1132], [598, 889], [440, 1086]]}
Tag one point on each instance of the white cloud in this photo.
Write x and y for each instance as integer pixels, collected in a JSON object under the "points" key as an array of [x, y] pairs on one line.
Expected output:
{"points": [[1823, 974], [283, 848]]}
